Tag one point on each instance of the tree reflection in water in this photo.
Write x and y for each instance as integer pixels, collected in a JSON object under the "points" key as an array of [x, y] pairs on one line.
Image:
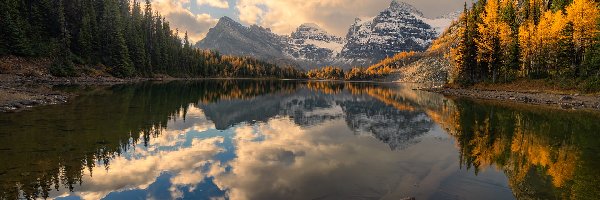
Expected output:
{"points": [[546, 154]]}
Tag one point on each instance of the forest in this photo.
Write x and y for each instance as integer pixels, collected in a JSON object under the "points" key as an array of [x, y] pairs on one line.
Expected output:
{"points": [[124, 37], [373, 72], [504, 40]]}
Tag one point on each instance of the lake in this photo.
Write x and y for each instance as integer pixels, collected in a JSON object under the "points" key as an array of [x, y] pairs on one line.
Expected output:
{"points": [[249, 139]]}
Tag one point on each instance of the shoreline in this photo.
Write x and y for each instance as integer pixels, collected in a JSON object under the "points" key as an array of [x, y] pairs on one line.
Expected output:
{"points": [[18, 92], [561, 101]]}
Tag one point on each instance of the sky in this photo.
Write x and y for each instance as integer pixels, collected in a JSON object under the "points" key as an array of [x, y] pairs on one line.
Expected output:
{"points": [[284, 16]]}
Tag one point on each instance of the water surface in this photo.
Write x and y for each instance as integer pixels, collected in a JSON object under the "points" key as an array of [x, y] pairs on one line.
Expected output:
{"points": [[294, 140]]}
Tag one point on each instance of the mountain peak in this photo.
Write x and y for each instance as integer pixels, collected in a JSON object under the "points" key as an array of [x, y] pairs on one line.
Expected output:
{"points": [[313, 31], [226, 21], [396, 5], [310, 25]]}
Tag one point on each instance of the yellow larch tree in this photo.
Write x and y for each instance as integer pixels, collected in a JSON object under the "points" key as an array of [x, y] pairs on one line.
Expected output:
{"points": [[583, 14], [547, 38], [526, 37], [494, 34]]}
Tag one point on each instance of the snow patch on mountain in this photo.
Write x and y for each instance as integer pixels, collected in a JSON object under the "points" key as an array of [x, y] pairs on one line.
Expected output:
{"points": [[441, 23]]}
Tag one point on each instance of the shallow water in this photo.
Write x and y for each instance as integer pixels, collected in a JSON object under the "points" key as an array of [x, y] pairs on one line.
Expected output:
{"points": [[244, 139]]}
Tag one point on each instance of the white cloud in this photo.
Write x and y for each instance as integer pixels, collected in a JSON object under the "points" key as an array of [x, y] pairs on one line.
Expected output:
{"points": [[335, 16], [284, 16], [293, 162], [214, 3], [138, 172], [144, 165], [179, 16]]}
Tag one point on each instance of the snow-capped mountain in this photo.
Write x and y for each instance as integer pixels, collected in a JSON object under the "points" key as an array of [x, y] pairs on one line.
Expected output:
{"points": [[400, 27], [310, 42]]}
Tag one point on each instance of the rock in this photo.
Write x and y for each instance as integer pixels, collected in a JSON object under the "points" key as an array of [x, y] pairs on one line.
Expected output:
{"points": [[566, 98], [28, 102], [16, 105], [525, 99]]}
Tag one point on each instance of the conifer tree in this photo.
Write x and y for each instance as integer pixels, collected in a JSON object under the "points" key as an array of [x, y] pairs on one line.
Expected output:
{"points": [[488, 44], [13, 29], [592, 61], [63, 65], [136, 43], [115, 52], [566, 48], [85, 44], [511, 47], [464, 56]]}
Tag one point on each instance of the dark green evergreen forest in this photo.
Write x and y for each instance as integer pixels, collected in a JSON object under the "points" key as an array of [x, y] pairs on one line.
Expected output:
{"points": [[127, 38]]}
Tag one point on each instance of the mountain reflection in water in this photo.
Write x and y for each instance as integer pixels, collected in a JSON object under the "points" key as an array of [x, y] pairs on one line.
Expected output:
{"points": [[244, 139]]}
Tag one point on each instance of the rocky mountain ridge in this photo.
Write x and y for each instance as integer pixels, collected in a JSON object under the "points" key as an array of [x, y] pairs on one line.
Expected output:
{"points": [[400, 27]]}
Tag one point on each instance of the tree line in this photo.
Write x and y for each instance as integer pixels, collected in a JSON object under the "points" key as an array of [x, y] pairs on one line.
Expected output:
{"points": [[123, 36], [352, 74], [502, 40]]}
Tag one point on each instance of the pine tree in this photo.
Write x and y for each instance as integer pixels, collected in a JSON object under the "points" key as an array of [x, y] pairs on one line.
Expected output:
{"points": [[85, 44], [592, 61], [511, 47], [136, 43], [115, 53], [464, 57], [13, 29], [148, 27], [63, 65], [566, 47]]}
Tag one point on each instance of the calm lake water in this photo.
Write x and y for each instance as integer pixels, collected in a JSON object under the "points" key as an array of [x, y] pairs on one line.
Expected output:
{"points": [[294, 140]]}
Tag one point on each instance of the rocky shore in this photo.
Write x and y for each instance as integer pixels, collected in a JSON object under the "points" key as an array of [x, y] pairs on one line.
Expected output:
{"points": [[19, 92], [564, 101]]}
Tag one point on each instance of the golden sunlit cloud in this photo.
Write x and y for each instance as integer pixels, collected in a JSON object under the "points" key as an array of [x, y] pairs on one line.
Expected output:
{"points": [[182, 18], [214, 3]]}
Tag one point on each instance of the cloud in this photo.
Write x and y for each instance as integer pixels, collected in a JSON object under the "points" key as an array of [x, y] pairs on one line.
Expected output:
{"points": [[143, 166], [335, 16], [214, 3], [294, 162], [138, 172], [179, 16], [284, 16]]}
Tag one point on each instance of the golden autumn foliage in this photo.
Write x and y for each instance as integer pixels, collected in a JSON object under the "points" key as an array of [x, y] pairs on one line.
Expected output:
{"points": [[537, 150], [528, 39], [379, 70], [584, 15]]}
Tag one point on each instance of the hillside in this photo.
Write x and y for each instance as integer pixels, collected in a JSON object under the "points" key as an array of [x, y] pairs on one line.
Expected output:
{"points": [[432, 65]]}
